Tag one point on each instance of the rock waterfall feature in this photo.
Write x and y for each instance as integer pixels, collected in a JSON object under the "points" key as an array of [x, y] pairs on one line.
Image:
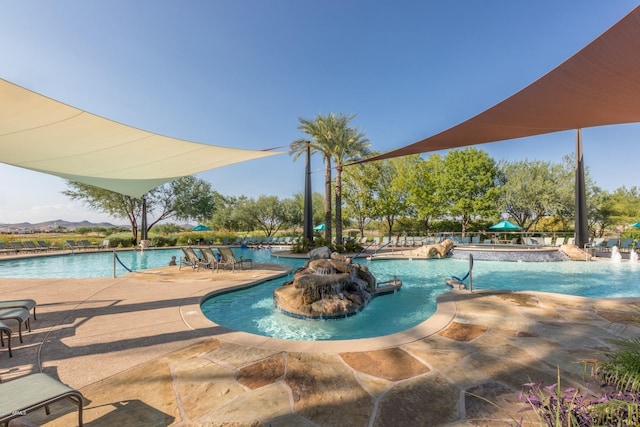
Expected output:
{"points": [[329, 286]]}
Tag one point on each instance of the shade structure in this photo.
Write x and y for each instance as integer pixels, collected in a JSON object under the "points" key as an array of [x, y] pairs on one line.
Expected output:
{"points": [[637, 224], [599, 85], [45, 135], [505, 226], [200, 227], [319, 227]]}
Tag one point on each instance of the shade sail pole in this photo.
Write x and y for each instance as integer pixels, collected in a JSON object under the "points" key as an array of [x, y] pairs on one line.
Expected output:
{"points": [[143, 232], [581, 225], [308, 211]]}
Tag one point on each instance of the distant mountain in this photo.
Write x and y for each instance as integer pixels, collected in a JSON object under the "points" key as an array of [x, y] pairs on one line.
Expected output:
{"points": [[52, 225]]}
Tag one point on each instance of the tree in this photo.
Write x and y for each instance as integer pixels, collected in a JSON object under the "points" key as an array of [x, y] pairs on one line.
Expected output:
{"points": [[531, 191], [625, 205], [223, 217], [360, 183], [184, 198], [422, 177], [267, 213], [601, 211], [393, 196], [469, 184], [317, 209], [349, 145], [324, 131]]}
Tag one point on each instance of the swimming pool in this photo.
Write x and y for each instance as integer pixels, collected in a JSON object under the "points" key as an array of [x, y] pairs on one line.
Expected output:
{"points": [[423, 281], [251, 310], [80, 265]]}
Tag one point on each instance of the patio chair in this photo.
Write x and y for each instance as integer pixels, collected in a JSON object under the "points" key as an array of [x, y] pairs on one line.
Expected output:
{"points": [[626, 244], [20, 315], [71, 244], [210, 259], [27, 304], [597, 242], [44, 246], [4, 249], [18, 247], [29, 245], [611, 243], [4, 329], [34, 391], [190, 258], [228, 259]]}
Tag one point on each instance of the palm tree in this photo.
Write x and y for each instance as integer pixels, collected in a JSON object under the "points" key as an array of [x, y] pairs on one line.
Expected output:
{"points": [[321, 131], [348, 145]]}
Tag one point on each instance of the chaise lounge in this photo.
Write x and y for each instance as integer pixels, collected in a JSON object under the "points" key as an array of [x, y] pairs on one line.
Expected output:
{"points": [[31, 392], [27, 304], [4, 329], [20, 315]]}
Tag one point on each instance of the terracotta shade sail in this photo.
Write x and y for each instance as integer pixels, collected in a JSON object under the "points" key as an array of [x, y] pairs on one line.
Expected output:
{"points": [[599, 85], [45, 135]]}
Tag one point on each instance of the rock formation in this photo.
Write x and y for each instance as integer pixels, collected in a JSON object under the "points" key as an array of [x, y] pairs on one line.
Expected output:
{"points": [[328, 286], [438, 250]]}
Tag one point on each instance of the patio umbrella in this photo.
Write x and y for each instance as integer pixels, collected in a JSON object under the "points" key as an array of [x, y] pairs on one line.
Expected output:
{"points": [[319, 227], [637, 224], [504, 226], [200, 227]]}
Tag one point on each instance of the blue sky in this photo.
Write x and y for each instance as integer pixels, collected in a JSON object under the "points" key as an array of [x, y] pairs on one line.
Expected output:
{"points": [[241, 74]]}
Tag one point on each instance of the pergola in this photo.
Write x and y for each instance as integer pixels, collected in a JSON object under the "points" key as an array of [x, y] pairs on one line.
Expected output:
{"points": [[599, 85], [45, 135]]}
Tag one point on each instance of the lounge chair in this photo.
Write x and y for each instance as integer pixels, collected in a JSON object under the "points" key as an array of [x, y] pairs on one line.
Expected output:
{"points": [[20, 315], [625, 244], [29, 245], [71, 244], [597, 242], [210, 259], [190, 258], [18, 247], [4, 249], [611, 243], [228, 259], [27, 304], [31, 392], [559, 241], [44, 246], [4, 329]]}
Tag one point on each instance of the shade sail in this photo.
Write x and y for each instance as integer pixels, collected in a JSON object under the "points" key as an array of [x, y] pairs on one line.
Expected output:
{"points": [[599, 85], [45, 135]]}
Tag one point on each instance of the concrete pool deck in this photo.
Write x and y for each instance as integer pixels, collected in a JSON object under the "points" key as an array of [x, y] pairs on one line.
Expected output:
{"points": [[143, 354]]}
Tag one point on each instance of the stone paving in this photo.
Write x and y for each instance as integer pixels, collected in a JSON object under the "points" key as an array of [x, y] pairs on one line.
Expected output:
{"points": [[143, 354]]}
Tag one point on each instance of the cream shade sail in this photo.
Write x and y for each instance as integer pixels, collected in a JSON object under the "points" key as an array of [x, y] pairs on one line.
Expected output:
{"points": [[45, 135], [599, 85]]}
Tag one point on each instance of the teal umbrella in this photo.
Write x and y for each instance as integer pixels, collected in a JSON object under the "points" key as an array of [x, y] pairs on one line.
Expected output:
{"points": [[504, 226], [319, 227], [201, 227], [637, 224]]}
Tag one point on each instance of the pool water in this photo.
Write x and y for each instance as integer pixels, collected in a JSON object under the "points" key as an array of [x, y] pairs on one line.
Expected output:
{"points": [[251, 310], [80, 265]]}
